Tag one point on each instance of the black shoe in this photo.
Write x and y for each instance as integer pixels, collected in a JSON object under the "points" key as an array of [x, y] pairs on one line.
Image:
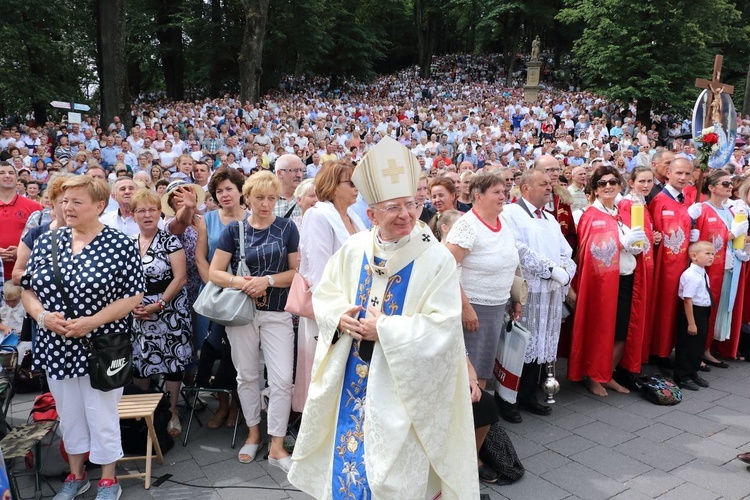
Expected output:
{"points": [[535, 407], [509, 411], [487, 475], [686, 384], [699, 381], [704, 368], [717, 364]]}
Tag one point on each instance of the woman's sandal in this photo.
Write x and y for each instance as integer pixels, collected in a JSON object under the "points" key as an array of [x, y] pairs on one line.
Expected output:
{"points": [[174, 428], [248, 450], [218, 419], [231, 418]]}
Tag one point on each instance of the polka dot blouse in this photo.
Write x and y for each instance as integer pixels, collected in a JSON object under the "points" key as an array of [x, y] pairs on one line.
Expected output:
{"points": [[107, 269]]}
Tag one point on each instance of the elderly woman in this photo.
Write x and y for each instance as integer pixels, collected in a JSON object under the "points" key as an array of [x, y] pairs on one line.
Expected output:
{"points": [[326, 227], [426, 210], [306, 198], [606, 261], [162, 321], [271, 247], [714, 219], [226, 188], [487, 254], [488, 257], [100, 272]]}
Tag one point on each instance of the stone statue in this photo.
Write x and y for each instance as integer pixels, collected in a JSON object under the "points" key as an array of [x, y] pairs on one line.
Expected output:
{"points": [[535, 46]]}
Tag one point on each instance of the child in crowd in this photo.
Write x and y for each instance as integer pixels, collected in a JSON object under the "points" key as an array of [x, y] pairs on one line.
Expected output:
{"points": [[12, 311], [692, 324]]}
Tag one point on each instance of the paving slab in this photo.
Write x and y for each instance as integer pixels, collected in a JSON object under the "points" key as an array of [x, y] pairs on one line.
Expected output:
{"points": [[618, 447]]}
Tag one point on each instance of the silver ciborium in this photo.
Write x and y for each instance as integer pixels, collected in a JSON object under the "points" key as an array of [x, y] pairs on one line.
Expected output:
{"points": [[550, 385]]}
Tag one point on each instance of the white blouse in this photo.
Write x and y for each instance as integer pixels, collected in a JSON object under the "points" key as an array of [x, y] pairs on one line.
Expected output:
{"points": [[487, 270]]}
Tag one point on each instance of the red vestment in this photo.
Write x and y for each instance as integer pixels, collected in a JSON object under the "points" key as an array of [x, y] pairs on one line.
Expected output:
{"points": [[670, 217], [563, 214], [691, 192], [714, 230], [596, 282], [640, 309]]}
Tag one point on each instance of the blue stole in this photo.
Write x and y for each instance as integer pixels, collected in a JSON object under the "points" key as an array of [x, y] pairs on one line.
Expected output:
{"points": [[349, 474]]}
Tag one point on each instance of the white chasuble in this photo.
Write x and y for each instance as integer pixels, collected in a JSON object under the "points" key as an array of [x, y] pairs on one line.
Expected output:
{"points": [[418, 426]]}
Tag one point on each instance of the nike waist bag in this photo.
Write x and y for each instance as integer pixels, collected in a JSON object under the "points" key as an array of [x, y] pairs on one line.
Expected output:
{"points": [[110, 360]]}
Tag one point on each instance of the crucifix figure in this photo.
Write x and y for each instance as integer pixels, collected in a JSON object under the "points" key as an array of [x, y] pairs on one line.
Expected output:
{"points": [[712, 112]]}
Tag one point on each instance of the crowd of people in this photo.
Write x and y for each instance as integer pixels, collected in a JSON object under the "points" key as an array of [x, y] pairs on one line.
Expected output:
{"points": [[571, 192]]}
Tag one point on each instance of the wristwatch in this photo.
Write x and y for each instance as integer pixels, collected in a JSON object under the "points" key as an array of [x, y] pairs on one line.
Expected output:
{"points": [[271, 281]]}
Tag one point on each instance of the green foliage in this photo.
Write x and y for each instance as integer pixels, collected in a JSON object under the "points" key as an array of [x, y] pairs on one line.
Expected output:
{"points": [[46, 53], [651, 51]]}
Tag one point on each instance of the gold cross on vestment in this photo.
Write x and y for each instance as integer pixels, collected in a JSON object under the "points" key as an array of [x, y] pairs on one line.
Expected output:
{"points": [[394, 171], [716, 88]]}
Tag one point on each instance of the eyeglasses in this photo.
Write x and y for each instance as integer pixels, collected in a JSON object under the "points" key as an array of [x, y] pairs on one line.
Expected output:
{"points": [[603, 182], [410, 206], [351, 184], [552, 170], [292, 170], [725, 184], [149, 211]]}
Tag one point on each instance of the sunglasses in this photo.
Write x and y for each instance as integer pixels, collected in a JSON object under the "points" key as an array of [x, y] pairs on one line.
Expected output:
{"points": [[725, 184], [612, 182]]}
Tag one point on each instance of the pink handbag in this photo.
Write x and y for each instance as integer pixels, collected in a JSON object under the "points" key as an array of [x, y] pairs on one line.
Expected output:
{"points": [[299, 300]]}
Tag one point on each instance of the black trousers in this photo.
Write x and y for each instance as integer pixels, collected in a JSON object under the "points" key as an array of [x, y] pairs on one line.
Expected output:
{"points": [[689, 348], [529, 383]]}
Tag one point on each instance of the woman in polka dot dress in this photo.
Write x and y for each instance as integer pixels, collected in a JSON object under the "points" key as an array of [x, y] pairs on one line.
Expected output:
{"points": [[100, 271]]}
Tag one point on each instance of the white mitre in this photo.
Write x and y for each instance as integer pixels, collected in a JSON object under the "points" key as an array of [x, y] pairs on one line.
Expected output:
{"points": [[389, 170]]}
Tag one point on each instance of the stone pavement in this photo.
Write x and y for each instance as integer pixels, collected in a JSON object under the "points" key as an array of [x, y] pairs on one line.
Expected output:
{"points": [[619, 447]]}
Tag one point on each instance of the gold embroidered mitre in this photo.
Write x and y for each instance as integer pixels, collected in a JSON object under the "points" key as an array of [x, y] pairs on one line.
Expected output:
{"points": [[387, 171]]}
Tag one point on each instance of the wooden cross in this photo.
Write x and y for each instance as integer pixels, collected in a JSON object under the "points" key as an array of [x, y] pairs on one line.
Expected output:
{"points": [[393, 171], [714, 86]]}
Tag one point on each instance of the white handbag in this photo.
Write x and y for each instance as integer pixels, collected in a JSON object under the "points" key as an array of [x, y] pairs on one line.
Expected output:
{"points": [[228, 306]]}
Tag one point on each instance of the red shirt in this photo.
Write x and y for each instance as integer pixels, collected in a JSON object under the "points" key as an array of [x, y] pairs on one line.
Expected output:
{"points": [[13, 217]]}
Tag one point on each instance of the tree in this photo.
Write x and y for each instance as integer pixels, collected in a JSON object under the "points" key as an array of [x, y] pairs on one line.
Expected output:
{"points": [[255, 15], [45, 51], [427, 18], [110, 60], [169, 34], [649, 51]]}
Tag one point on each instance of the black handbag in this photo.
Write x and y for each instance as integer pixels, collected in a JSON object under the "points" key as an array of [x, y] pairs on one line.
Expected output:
{"points": [[110, 357]]}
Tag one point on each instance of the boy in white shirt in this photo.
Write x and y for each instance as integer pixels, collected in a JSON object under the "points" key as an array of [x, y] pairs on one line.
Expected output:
{"points": [[692, 323]]}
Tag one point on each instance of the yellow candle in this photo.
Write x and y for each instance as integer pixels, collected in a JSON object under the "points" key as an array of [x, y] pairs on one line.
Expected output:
{"points": [[739, 241], [636, 219]]}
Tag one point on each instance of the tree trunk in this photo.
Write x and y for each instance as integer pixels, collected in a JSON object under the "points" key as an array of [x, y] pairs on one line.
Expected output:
{"points": [[746, 100], [255, 14], [424, 44], [643, 111], [512, 35], [111, 61], [169, 33]]}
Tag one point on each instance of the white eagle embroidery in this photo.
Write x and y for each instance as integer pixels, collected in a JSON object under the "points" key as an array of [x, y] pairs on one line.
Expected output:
{"points": [[674, 241], [605, 252], [718, 242]]}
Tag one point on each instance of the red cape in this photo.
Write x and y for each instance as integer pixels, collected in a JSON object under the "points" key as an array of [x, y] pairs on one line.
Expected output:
{"points": [[563, 214], [714, 230], [640, 318], [596, 282], [670, 217]]}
